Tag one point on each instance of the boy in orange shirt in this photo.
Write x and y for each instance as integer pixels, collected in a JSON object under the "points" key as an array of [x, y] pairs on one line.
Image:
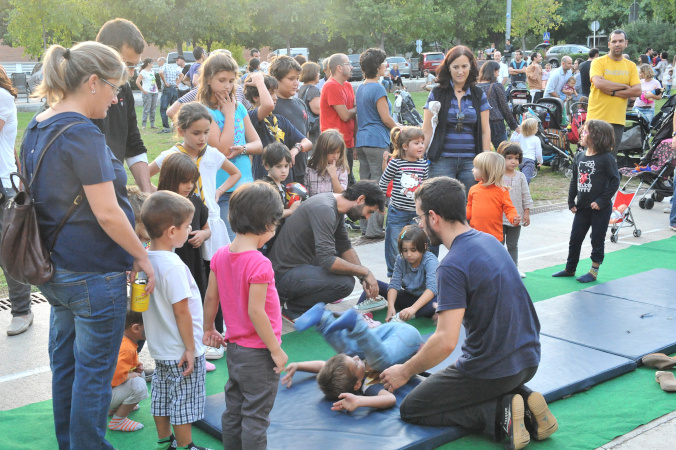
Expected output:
{"points": [[129, 384]]}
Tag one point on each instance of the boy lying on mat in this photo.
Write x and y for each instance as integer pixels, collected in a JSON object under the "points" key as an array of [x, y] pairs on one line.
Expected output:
{"points": [[351, 377]]}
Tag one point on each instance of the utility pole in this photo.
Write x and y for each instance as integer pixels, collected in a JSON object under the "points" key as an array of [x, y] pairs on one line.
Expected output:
{"points": [[508, 26]]}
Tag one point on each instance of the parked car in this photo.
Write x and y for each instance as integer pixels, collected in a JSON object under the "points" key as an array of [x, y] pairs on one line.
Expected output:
{"points": [[555, 53], [404, 66], [357, 74], [295, 51], [171, 58], [542, 48], [430, 61]]}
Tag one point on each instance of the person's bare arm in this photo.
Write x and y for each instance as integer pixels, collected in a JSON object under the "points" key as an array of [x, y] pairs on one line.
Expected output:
{"points": [[305, 366], [211, 337], [350, 402], [349, 264], [113, 220], [254, 146], [139, 79], [427, 126], [141, 174], [607, 87], [224, 139], [384, 113], [314, 106], [266, 104], [485, 130], [2, 125], [345, 114], [629, 92], [437, 348], [184, 325], [173, 109], [261, 323]]}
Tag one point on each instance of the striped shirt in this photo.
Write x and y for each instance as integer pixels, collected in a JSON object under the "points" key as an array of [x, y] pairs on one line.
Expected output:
{"points": [[406, 176], [460, 143], [171, 74]]}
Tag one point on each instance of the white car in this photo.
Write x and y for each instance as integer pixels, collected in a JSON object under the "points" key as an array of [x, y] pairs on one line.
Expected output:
{"points": [[404, 66]]}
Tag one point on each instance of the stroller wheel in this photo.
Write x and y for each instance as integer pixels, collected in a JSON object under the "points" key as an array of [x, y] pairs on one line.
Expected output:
{"points": [[637, 233], [613, 238], [568, 172], [657, 197], [641, 203], [649, 203]]}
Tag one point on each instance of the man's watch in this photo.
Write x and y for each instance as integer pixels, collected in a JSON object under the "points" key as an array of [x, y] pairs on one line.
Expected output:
{"points": [[613, 94]]}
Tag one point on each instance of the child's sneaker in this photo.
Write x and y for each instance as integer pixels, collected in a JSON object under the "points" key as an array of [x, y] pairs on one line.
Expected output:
{"points": [[214, 353], [209, 366], [368, 318], [371, 304], [396, 318]]}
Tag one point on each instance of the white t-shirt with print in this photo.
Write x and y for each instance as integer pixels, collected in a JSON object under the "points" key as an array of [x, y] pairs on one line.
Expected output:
{"points": [[148, 81], [173, 283], [7, 137]]}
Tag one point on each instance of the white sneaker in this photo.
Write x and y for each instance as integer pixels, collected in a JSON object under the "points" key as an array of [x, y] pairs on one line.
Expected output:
{"points": [[522, 275], [213, 353], [368, 318], [667, 210], [396, 318], [371, 304]]}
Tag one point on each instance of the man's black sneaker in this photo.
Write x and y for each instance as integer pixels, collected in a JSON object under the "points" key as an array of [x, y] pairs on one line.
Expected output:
{"points": [[511, 422]]}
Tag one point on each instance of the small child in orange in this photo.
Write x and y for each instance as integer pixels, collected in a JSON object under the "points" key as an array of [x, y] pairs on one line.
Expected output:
{"points": [[129, 384], [489, 199]]}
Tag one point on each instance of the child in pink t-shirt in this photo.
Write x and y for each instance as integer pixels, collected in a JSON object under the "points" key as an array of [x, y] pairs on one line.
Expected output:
{"points": [[243, 281]]}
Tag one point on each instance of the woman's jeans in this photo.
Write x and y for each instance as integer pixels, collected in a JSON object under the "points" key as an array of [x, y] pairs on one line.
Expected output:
{"points": [[458, 168], [224, 204], [85, 332], [498, 132], [389, 344], [387, 83], [647, 112], [397, 219], [149, 107]]}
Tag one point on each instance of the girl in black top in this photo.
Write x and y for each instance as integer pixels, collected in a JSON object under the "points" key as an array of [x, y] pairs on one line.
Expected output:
{"points": [[595, 181]]}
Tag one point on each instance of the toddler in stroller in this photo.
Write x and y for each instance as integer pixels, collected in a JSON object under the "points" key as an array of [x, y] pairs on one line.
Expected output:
{"points": [[403, 110]]}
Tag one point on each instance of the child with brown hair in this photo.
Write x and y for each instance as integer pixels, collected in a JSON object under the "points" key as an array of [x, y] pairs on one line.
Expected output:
{"points": [[327, 170]]}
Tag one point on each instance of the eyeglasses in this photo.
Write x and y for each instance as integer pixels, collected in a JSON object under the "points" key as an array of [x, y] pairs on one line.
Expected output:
{"points": [[116, 89], [418, 219], [461, 118]]}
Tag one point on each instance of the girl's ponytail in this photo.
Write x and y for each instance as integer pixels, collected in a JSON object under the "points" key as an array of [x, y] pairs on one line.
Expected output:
{"points": [[395, 135]]}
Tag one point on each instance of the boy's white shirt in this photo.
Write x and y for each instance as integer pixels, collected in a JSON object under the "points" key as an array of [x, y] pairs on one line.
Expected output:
{"points": [[173, 283]]}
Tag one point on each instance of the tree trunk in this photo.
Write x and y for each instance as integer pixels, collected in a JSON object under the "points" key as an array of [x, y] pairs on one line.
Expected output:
{"points": [[382, 41], [288, 45], [209, 42], [523, 45], [179, 47], [44, 35]]}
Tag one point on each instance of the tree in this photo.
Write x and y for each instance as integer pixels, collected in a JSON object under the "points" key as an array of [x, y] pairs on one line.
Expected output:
{"points": [[33, 28], [534, 16]]}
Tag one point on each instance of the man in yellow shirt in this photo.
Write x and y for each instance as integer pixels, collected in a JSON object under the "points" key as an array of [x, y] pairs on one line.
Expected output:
{"points": [[613, 80]]}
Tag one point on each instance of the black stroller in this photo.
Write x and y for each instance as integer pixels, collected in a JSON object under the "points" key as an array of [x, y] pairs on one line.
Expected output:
{"points": [[657, 173], [403, 110], [635, 140]]}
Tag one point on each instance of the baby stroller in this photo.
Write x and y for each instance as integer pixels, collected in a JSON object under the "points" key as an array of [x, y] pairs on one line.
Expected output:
{"points": [[518, 95], [658, 174], [403, 110], [621, 217], [578, 116], [635, 140]]}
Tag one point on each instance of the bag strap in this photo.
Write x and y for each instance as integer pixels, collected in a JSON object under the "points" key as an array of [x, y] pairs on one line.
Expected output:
{"points": [[78, 198]]}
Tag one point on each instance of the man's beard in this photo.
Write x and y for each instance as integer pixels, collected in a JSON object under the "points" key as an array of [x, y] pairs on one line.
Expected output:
{"points": [[355, 213], [435, 238]]}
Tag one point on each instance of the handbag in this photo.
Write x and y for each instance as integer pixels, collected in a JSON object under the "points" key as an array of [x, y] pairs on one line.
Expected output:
{"points": [[25, 256]]}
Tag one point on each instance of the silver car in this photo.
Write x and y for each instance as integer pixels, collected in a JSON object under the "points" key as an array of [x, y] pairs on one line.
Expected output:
{"points": [[555, 53], [404, 66]]}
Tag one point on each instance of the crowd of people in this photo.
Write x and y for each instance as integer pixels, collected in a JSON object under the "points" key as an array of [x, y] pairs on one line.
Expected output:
{"points": [[227, 254]]}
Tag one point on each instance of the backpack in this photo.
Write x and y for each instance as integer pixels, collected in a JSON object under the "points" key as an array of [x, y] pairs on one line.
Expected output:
{"points": [[21, 243], [312, 123]]}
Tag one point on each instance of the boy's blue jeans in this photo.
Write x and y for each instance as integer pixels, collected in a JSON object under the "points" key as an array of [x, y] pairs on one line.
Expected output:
{"points": [[389, 344], [85, 332]]}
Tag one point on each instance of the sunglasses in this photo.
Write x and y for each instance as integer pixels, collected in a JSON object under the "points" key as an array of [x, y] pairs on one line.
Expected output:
{"points": [[461, 118]]}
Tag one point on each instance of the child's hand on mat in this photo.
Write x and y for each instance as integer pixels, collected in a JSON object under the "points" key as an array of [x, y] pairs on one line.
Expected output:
{"points": [[348, 402], [390, 313], [573, 209], [407, 314], [393, 378], [516, 221], [595, 206], [187, 362], [280, 358], [212, 338], [290, 370]]}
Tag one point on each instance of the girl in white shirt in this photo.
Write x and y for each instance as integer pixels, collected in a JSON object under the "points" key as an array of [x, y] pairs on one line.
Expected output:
{"points": [[148, 85]]}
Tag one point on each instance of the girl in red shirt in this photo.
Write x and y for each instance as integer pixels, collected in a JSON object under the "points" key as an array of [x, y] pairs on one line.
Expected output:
{"points": [[489, 199]]}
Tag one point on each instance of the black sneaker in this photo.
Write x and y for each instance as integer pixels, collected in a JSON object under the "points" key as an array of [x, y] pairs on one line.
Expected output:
{"points": [[511, 422], [291, 316], [540, 422]]}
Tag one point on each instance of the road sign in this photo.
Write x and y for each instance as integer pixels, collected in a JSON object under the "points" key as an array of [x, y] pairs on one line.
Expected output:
{"points": [[545, 36], [595, 26], [418, 45]]}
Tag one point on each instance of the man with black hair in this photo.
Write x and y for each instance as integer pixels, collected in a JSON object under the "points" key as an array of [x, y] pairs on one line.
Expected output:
{"points": [[120, 126], [313, 258], [193, 74], [480, 288], [255, 53], [584, 71]]}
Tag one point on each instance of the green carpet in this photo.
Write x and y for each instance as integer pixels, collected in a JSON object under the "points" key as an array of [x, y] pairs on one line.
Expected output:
{"points": [[586, 420]]}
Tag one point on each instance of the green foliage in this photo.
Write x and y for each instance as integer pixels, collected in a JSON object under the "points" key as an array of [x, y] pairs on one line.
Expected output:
{"points": [[534, 16], [659, 35]]}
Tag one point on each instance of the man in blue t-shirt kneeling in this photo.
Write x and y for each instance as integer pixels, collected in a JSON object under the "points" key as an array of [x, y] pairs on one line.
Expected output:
{"points": [[480, 288]]}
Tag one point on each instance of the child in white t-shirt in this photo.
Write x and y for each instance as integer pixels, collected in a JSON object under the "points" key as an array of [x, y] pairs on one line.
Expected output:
{"points": [[173, 323], [531, 146]]}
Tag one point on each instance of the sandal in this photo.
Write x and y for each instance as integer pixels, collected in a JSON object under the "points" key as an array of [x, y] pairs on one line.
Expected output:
{"points": [[667, 381], [659, 361]]}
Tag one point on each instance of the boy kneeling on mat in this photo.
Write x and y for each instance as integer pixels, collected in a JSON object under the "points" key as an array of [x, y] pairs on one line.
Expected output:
{"points": [[352, 376]]}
